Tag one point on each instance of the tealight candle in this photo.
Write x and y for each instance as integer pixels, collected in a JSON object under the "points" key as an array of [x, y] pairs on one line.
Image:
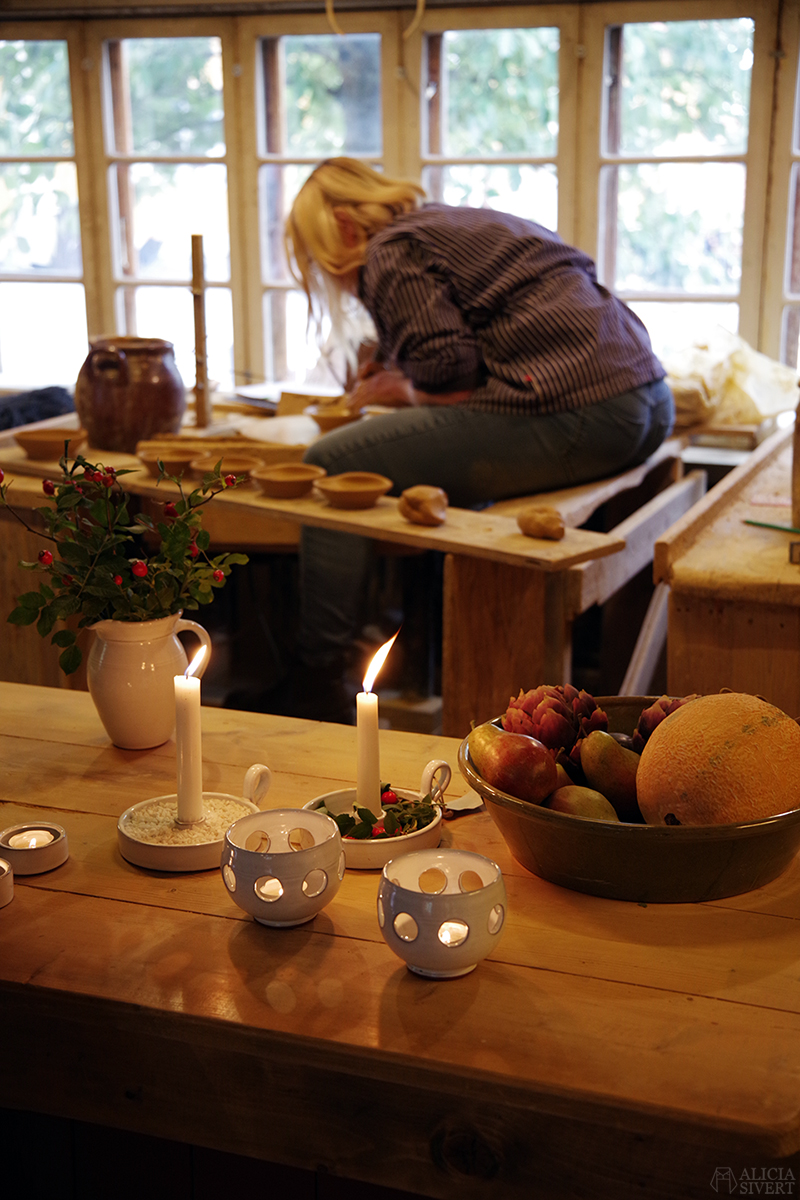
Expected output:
{"points": [[188, 740], [368, 772], [30, 838]]}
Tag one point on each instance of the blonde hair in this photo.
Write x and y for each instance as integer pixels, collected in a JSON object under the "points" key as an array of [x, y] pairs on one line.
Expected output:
{"points": [[317, 250]]}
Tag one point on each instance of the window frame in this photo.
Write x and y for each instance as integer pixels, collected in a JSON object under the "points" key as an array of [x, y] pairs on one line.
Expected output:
{"points": [[579, 159]]}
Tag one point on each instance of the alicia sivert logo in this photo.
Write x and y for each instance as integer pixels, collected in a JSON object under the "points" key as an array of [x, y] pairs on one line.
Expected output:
{"points": [[755, 1181]]}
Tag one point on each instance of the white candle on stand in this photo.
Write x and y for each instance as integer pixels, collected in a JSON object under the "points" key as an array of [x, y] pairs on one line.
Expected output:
{"points": [[188, 740], [368, 773]]}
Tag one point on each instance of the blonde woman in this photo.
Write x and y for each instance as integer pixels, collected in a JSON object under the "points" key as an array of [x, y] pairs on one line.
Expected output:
{"points": [[509, 368]]}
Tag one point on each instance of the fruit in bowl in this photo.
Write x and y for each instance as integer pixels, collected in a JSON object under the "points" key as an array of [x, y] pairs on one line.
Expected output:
{"points": [[689, 849]]}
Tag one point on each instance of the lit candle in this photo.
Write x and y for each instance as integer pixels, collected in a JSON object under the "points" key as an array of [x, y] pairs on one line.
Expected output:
{"points": [[188, 742], [30, 838], [368, 777]]}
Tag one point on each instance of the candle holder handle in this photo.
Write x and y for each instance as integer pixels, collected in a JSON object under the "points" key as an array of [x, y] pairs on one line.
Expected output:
{"points": [[435, 779], [204, 637], [256, 783]]}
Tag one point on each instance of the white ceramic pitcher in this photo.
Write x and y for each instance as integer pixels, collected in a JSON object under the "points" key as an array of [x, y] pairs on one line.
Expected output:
{"points": [[130, 672]]}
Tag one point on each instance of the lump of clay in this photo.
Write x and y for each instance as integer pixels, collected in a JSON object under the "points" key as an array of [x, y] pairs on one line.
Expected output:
{"points": [[541, 521], [424, 505]]}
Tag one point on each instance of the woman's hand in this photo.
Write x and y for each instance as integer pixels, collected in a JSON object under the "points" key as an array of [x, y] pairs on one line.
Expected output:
{"points": [[376, 385]]}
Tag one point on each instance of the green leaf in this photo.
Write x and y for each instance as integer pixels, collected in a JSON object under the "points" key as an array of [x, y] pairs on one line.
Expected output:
{"points": [[390, 822], [70, 659], [63, 637], [65, 606], [366, 816], [361, 831], [46, 622], [236, 559], [22, 616], [31, 600]]}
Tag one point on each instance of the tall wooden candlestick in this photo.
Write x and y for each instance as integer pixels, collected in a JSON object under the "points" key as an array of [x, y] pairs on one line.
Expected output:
{"points": [[202, 399]]}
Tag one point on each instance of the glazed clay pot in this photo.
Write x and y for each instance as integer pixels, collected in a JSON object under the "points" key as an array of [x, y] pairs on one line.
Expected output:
{"points": [[129, 389], [130, 671]]}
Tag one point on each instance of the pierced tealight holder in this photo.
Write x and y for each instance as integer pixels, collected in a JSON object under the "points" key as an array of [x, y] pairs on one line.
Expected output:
{"points": [[441, 911], [6, 883], [284, 865], [34, 846]]}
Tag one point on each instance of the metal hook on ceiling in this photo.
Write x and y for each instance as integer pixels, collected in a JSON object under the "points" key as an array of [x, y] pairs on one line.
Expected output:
{"points": [[415, 24], [331, 15]]}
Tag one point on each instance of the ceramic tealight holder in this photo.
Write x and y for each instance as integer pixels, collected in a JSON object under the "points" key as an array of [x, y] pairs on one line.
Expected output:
{"points": [[6, 883], [441, 911], [283, 866], [34, 847], [370, 854]]}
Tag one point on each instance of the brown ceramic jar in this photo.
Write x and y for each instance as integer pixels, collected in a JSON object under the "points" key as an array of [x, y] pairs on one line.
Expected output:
{"points": [[129, 389]]}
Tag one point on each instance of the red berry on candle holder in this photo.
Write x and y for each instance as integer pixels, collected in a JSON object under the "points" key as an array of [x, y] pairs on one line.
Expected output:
{"points": [[139, 569], [229, 480], [219, 576], [377, 828], [45, 558], [48, 487], [388, 797], [118, 580]]}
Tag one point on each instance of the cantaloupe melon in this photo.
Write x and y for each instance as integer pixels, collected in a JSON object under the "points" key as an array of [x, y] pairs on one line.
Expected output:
{"points": [[718, 760]]}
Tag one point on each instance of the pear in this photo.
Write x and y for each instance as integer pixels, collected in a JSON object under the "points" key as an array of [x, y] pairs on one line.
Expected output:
{"points": [[513, 762], [611, 770], [582, 802]]}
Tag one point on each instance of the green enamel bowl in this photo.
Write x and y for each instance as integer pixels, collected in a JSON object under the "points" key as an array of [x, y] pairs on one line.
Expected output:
{"points": [[649, 864]]}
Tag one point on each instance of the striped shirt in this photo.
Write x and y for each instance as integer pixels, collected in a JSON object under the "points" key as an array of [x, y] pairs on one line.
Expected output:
{"points": [[469, 298]]}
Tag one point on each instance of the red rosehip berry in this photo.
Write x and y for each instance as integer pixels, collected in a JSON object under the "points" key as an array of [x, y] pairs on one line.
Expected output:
{"points": [[68, 579], [2, 475], [45, 558], [139, 569], [388, 797], [229, 480], [194, 550], [107, 480], [48, 487], [118, 580], [219, 576], [170, 510]]}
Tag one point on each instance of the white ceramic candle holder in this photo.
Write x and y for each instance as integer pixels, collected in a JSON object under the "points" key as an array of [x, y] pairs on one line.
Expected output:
{"points": [[149, 833], [441, 911], [34, 847], [370, 854], [6, 883], [284, 865]]}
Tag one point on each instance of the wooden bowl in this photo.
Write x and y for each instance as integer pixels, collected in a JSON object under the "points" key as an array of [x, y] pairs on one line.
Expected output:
{"points": [[288, 480], [354, 489], [232, 464], [176, 462], [331, 416], [648, 864], [47, 445]]}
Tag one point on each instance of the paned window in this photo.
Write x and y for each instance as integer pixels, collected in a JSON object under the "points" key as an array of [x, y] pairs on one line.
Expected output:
{"points": [[42, 307]]}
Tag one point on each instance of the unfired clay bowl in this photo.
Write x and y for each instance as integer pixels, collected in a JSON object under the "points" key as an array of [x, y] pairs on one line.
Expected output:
{"points": [[354, 489]]}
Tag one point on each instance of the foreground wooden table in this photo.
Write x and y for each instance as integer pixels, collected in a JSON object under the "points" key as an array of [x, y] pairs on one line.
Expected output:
{"points": [[605, 1049], [734, 608]]}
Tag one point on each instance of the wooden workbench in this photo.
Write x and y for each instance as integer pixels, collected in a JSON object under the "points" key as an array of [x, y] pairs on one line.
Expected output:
{"points": [[734, 608], [509, 601], [605, 1049]]}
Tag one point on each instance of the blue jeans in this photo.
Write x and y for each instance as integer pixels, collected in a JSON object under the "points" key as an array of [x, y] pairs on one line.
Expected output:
{"points": [[476, 457]]}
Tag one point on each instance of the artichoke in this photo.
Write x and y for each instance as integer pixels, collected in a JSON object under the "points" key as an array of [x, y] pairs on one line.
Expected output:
{"points": [[653, 716], [559, 717]]}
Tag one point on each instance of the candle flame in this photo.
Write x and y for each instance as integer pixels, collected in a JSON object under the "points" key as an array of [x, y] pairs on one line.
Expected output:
{"points": [[196, 663], [378, 659]]}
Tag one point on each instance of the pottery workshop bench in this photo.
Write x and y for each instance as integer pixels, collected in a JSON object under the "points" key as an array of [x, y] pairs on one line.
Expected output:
{"points": [[509, 601]]}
